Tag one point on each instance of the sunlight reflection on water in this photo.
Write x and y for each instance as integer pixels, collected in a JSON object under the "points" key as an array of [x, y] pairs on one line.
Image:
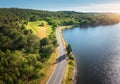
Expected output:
{"points": [[97, 51]]}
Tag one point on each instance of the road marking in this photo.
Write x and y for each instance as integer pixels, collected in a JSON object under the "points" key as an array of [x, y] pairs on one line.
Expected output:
{"points": [[56, 64], [61, 69], [57, 73], [53, 71], [59, 65], [63, 72]]}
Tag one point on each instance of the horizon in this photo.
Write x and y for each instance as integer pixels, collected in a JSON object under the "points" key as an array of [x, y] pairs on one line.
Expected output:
{"points": [[86, 6], [61, 10]]}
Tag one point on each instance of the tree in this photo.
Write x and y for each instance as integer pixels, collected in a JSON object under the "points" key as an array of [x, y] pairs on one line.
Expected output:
{"points": [[44, 41], [84, 23], [69, 49], [22, 53]]}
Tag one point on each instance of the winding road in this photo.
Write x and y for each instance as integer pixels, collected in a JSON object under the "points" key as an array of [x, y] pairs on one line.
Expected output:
{"points": [[58, 73]]}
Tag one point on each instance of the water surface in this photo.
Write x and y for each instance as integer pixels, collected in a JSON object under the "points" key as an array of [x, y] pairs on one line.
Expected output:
{"points": [[97, 51]]}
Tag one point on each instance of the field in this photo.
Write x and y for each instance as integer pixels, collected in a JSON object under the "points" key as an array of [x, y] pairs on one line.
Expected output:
{"points": [[40, 28]]}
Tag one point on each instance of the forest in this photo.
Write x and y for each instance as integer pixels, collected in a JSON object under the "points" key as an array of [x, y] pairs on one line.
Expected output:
{"points": [[22, 53]]}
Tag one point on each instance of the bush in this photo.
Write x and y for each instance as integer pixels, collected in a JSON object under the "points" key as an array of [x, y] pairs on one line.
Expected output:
{"points": [[69, 49], [71, 63], [71, 56]]}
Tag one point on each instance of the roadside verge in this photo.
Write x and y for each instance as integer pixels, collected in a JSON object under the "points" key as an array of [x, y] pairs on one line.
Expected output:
{"points": [[70, 72]]}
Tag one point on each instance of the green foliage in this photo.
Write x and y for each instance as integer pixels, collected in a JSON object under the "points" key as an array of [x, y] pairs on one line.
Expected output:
{"points": [[55, 19], [46, 48], [71, 56], [34, 18], [42, 24], [85, 23], [22, 53], [71, 63], [17, 67], [69, 49]]}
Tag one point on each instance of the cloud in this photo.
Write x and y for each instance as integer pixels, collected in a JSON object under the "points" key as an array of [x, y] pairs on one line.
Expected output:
{"points": [[108, 7]]}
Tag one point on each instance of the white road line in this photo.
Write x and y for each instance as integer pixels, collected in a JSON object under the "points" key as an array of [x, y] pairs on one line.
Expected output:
{"points": [[56, 64], [53, 71], [57, 74], [63, 72], [59, 68], [59, 65]]}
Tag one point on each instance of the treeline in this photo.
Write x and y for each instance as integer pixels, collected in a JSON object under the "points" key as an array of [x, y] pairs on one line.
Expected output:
{"points": [[22, 54], [58, 18]]}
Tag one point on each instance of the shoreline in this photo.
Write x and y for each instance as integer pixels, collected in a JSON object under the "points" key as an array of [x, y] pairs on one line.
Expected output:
{"points": [[68, 60]]}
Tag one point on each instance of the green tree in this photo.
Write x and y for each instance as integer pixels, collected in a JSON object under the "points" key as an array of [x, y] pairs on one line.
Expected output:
{"points": [[69, 49]]}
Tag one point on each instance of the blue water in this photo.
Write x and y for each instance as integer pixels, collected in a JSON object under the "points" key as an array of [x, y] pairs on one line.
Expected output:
{"points": [[97, 51]]}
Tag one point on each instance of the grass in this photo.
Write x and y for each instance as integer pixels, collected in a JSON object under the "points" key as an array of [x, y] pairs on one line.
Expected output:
{"points": [[47, 70], [69, 76], [49, 67], [44, 31], [34, 26], [41, 31], [70, 68], [67, 27]]}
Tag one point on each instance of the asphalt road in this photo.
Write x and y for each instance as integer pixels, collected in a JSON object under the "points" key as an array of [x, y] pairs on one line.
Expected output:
{"points": [[58, 73]]}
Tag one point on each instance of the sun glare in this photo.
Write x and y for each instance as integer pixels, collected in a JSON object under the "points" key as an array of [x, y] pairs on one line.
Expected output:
{"points": [[109, 7]]}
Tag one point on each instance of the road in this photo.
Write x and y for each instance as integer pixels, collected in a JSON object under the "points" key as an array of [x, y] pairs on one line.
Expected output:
{"points": [[58, 73]]}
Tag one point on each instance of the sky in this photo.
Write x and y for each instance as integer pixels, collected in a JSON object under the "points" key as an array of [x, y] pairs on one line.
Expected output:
{"points": [[65, 5]]}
